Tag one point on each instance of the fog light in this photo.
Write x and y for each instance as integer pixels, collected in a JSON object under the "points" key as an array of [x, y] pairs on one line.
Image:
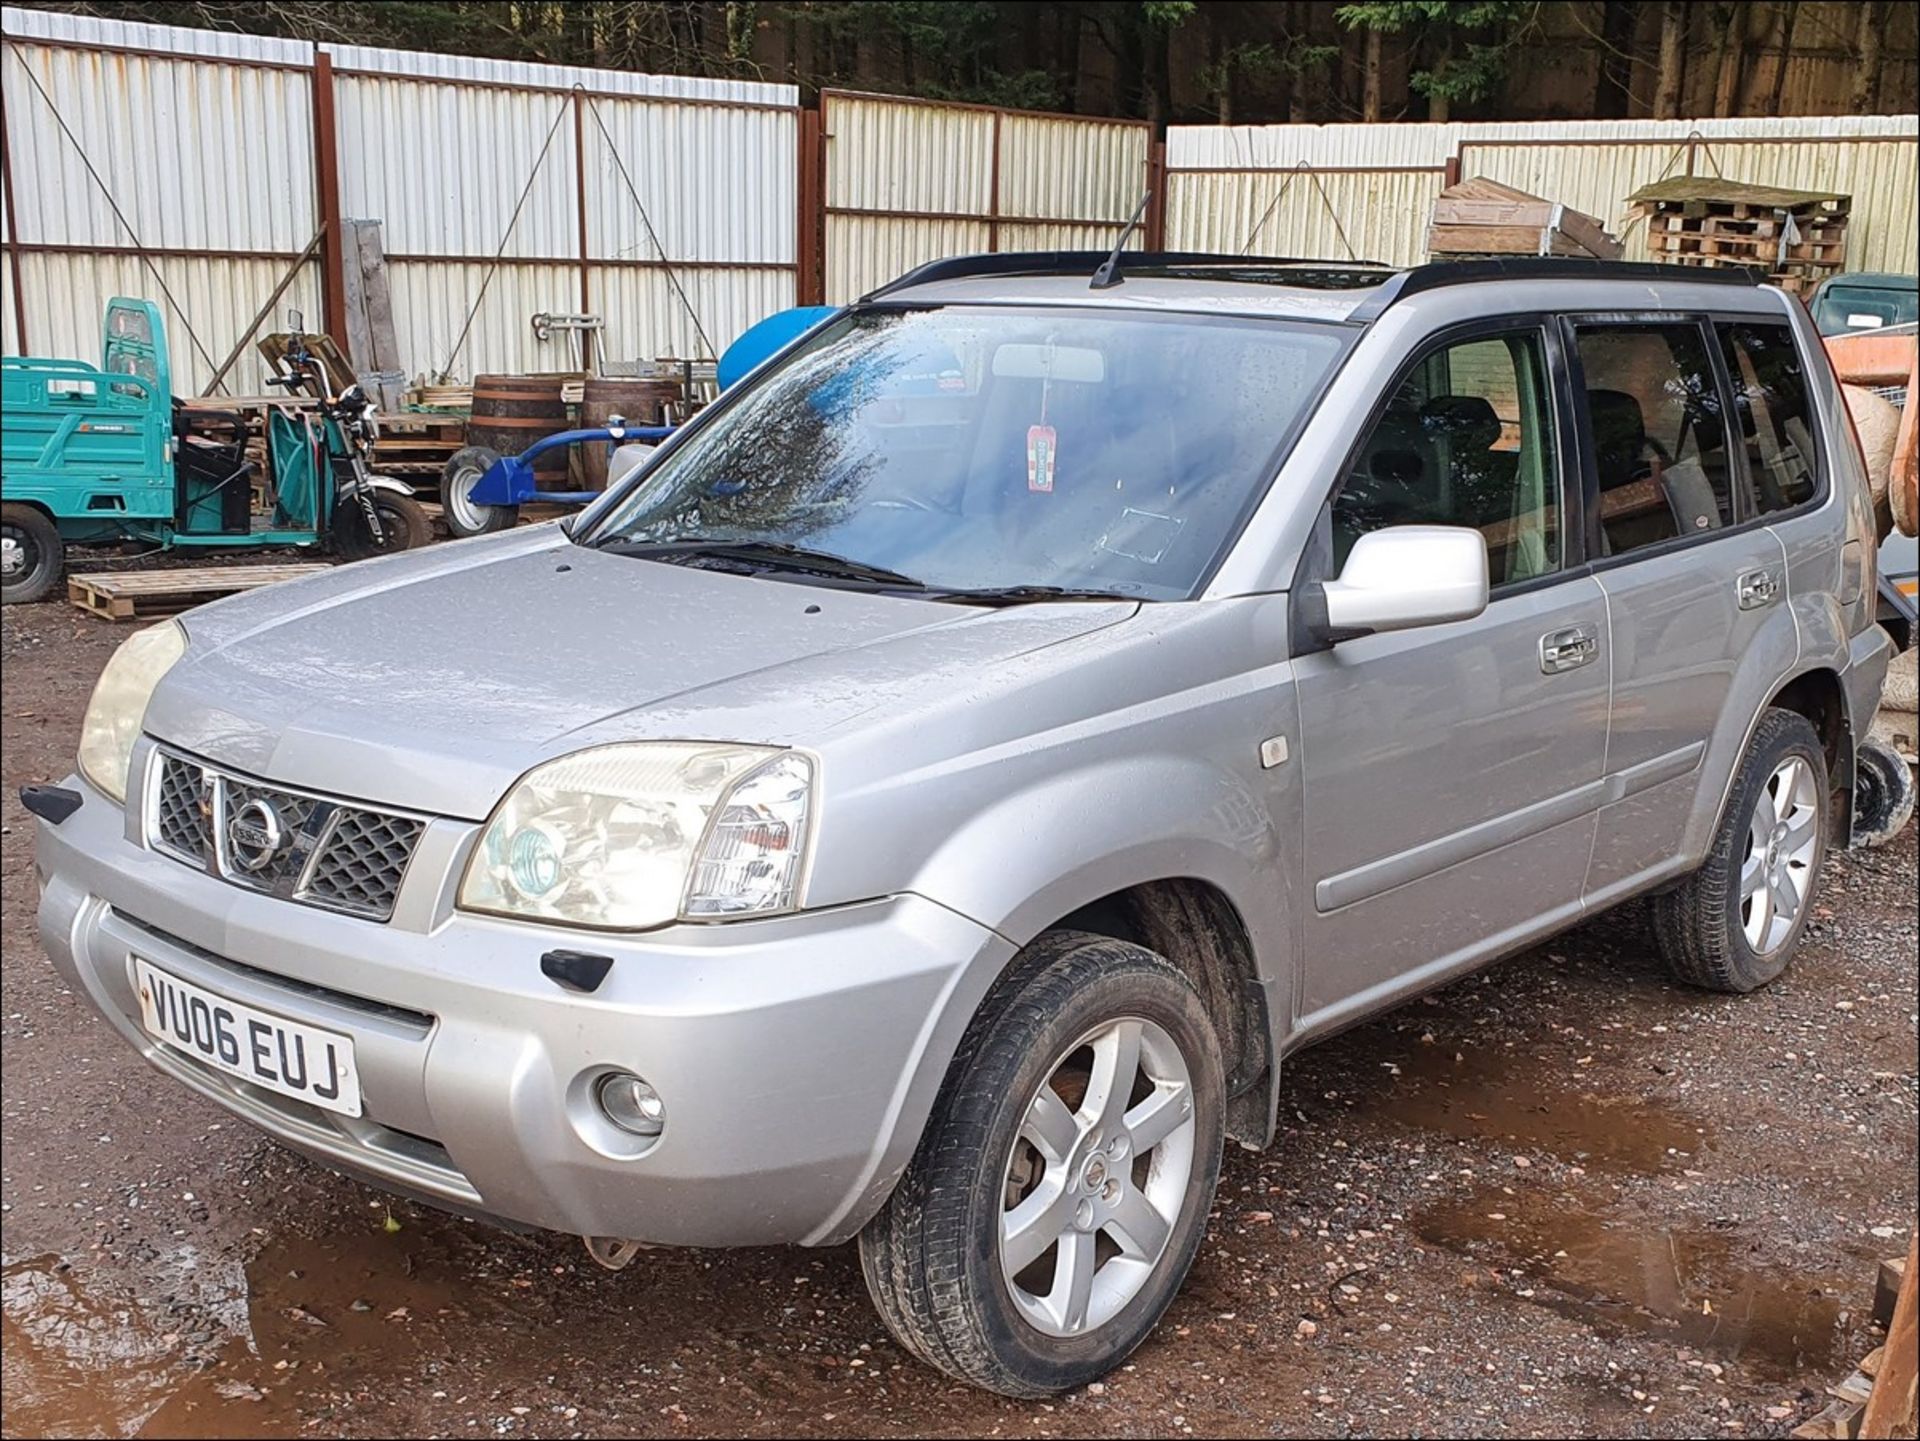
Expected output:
{"points": [[631, 1104]]}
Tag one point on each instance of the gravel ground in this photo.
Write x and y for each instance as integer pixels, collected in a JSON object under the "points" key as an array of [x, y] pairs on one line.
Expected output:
{"points": [[1561, 1197]]}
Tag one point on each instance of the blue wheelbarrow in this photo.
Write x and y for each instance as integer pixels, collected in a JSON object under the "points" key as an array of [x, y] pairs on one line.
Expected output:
{"points": [[482, 490]]}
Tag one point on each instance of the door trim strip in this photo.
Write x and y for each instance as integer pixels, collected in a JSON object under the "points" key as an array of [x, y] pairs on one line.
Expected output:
{"points": [[1417, 863]]}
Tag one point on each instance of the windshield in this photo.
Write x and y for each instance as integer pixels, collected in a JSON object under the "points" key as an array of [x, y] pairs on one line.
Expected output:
{"points": [[972, 448]]}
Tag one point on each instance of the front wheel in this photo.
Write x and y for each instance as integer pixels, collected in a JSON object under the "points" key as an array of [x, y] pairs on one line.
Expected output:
{"points": [[403, 526], [464, 515], [31, 555], [1062, 1186]]}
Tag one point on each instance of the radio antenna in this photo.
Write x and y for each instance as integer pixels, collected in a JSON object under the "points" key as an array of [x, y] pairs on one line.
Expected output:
{"points": [[1108, 275]]}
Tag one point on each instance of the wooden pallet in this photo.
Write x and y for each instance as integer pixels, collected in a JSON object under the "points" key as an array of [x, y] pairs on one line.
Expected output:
{"points": [[136, 594]]}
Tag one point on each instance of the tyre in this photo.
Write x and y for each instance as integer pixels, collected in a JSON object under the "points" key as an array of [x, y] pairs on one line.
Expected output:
{"points": [[31, 555], [464, 517], [1734, 923], [403, 526], [1883, 794], [1062, 1186]]}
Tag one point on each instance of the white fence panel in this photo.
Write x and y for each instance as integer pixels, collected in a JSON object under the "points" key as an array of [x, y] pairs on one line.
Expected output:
{"points": [[908, 181], [66, 294], [1221, 176]]}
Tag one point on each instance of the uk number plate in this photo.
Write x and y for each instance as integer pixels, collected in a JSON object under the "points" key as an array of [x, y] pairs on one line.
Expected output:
{"points": [[283, 1056]]}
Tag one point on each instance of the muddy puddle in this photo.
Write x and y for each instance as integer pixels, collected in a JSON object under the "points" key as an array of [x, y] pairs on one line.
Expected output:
{"points": [[1512, 1099], [1572, 1237], [1690, 1285], [233, 1349]]}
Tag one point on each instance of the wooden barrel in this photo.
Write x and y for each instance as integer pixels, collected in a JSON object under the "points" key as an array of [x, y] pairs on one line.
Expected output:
{"points": [[638, 402], [511, 412]]}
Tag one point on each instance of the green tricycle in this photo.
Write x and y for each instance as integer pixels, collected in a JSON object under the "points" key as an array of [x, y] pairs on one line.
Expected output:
{"points": [[97, 455]]}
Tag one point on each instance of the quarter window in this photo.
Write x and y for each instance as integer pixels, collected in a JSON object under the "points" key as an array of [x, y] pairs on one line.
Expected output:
{"points": [[1467, 439], [1775, 414], [1659, 438]]}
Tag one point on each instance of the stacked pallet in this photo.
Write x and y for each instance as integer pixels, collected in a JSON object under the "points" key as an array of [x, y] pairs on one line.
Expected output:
{"points": [[415, 445], [1798, 237], [1481, 218]]}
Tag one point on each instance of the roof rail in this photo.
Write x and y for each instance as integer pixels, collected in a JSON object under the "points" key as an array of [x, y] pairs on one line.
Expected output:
{"points": [[1085, 262], [1443, 273]]}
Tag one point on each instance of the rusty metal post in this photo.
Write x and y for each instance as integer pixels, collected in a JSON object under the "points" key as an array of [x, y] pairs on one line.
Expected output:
{"points": [[993, 190], [810, 221], [580, 196], [326, 171], [12, 240], [1156, 236]]}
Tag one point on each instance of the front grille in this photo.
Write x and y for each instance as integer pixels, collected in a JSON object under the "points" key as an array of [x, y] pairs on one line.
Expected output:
{"points": [[360, 865], [293, 844], [183, 810]]}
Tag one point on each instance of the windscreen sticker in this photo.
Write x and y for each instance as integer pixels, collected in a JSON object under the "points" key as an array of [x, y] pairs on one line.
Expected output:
{"points": [[1042, 456], [1141, 535]]}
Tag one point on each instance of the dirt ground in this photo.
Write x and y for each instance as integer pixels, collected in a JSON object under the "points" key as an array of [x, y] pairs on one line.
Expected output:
{"points": [[1563, 1197]]}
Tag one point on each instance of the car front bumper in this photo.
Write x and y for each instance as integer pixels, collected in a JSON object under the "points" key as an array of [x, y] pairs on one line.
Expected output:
{"points": [[797, 1056]]}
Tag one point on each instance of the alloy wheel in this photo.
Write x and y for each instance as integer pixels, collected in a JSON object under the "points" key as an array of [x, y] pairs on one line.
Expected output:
{"points": [[1097, 1176], [1783, 838]]}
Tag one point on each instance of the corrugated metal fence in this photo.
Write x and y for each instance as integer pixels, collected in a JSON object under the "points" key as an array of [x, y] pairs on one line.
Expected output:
{"points": [[203, 169], [906, 181], [1337, 191], [664, 204]]}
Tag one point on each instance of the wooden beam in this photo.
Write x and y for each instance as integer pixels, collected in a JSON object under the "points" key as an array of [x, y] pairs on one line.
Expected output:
{"points": [[1890, 1409]]}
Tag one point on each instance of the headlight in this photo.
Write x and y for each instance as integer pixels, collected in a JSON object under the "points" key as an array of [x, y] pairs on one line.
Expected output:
{"points": [[120, 703], [625, 837]]}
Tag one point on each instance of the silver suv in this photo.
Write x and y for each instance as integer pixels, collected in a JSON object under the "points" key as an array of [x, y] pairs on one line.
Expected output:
{"points": [[929, 802]]}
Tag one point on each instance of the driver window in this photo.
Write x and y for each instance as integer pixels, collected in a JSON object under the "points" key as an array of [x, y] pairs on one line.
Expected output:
{"points": [[1467, 439], [1659, 437]]}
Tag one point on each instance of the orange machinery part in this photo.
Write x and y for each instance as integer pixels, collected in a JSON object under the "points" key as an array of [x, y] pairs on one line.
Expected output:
{"points": [[1865, 358]]}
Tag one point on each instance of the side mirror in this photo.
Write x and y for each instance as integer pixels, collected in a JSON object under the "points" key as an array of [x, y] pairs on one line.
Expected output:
{"points": [[1406, 576]]}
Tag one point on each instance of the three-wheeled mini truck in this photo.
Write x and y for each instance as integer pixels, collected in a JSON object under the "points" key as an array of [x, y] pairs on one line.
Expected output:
{"points": [[93, 455]]}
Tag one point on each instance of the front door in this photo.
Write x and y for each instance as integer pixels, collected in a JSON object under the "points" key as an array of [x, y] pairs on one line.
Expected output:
{"points": [[1452, 773]]}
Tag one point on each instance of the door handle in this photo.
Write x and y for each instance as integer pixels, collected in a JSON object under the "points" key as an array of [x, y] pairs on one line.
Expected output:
{"points": [[1569, 649], [1757, 588]]}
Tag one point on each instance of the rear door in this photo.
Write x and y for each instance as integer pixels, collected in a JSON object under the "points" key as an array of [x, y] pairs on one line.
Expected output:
{"points": [[1451, 773], [1692, 575]]}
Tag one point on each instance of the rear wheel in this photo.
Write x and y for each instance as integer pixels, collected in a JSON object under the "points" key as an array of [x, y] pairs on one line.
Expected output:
{"points": [[464, 515], [1734, 923], [31, 555], [1062, 1186]]}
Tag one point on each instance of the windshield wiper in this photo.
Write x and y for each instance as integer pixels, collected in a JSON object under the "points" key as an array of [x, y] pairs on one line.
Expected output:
{"points": [[774, 554], [1022, 595]]}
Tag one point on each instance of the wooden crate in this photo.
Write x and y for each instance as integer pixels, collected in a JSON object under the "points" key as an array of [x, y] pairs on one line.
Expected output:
{"points": [[1480, 218], [137, 594]]}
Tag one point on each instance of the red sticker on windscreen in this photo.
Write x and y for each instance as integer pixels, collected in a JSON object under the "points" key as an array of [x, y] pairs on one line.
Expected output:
{"points": [[1042, 454]]}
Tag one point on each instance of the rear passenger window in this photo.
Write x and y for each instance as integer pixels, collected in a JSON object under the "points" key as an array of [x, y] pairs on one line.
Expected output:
{"points": [[1659, 438], [1467, 439], [1775, 414]]}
